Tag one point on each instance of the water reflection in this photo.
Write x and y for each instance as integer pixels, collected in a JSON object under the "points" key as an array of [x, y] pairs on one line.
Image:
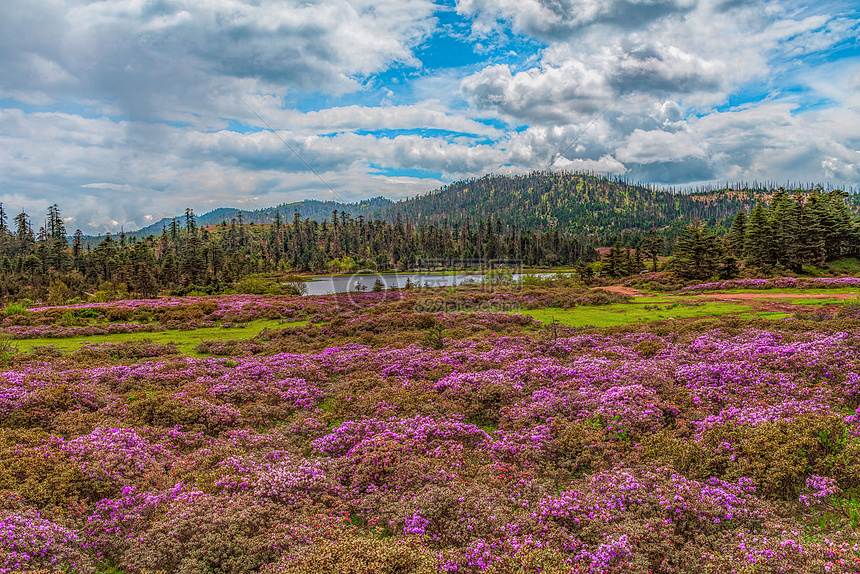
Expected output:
{"points": [[348, 283]]}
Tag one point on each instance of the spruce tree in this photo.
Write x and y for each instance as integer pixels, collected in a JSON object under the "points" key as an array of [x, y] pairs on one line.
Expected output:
{"points": [[792, 221], [653, 247], [697, 254], [736, 238], [814, 220], [758, 250], [780, 234], [840, 234], [614, 262]]}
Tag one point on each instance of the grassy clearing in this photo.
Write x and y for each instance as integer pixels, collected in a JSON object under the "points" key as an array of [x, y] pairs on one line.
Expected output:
{"points": [[773, 315], [666, 299], [624, 314], [808, 303], [186, 341], [818, 302]]}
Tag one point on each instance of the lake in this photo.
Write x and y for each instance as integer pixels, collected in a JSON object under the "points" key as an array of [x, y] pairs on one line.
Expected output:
{"points": [[348, 283]]}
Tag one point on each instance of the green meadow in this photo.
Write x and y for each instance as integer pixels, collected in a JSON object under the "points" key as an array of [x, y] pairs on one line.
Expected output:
{"points": [[186, 341], [626, 313]]}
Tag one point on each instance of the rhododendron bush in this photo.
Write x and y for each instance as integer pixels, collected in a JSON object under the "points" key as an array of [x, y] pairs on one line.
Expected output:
{"points": [[353, 445]]}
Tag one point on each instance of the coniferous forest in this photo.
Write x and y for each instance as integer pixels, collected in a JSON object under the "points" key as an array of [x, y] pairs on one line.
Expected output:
{"points": [[539, 220], [598, 210], [790, 233], [188, 256]]}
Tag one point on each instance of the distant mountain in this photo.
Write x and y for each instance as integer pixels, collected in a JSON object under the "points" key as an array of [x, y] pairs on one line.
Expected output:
{"points": [[309, 209], [597, 209]]}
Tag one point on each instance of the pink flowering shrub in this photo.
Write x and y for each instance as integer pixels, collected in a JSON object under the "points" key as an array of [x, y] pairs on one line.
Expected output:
{"points": [[28, 541], [351, 445], [778, 283], [199, 532]]}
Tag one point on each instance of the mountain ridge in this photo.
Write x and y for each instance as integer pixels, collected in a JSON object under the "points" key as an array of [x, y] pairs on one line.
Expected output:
{"points": [[596, 208], [313, 209]]}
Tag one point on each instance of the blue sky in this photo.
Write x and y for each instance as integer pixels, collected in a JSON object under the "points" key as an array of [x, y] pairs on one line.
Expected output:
{"points": [[126, 111]]}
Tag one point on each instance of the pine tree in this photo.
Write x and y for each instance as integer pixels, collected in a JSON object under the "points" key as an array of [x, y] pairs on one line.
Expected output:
{"points": [[77, 247], [638, 262], [736, 238], [697, 254], [190, 221], [791, 223], [814, 219], [758, 249], [24, 235], [192, 267], [614, 263], [169, 270], [777, 216], [653, 247], [57, 243], [143, 263], [840, 234]]}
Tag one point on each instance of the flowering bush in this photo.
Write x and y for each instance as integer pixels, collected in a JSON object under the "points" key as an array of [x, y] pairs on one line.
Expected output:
{"points": [[778, 283], [28, 541], [351, 445]]}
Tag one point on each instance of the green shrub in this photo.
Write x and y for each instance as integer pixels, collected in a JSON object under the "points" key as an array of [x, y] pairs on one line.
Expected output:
{"points": [[776, 455], [435, 337], [89, 313], [13, 309], [44, 477], [354, 554], [295, 286], [7, 348]]}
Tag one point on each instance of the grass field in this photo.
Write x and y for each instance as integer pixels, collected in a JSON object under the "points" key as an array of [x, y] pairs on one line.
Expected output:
{"points": [[186, 341], [666, 299], [623, 314], [773, 315]]}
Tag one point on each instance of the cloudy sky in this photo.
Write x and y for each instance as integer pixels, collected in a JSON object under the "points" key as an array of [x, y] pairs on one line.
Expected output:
{"points": [[125, 111]]}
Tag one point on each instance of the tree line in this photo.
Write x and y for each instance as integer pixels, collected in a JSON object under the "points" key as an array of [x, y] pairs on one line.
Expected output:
{"points": [[47, 264], [791, 231]]}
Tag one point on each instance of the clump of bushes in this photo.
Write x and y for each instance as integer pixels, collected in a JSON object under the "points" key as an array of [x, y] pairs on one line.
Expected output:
{"points": [[144, 348], [230, 347], [353, 554], [776, 456]]}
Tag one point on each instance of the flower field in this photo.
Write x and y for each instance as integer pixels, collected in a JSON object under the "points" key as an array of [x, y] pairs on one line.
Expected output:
{"points": [[400, 433], [778, 283]]}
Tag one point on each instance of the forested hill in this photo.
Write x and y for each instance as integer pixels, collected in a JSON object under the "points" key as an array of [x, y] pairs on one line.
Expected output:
{"points": [[595, 208], [598, 210]]}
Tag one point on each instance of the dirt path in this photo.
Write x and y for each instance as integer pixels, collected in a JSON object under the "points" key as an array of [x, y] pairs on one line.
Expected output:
{"points": [[623, 290]]}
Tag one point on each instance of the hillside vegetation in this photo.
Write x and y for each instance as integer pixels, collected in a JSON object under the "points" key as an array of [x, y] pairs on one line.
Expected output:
{"points": [[596, 209]]}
